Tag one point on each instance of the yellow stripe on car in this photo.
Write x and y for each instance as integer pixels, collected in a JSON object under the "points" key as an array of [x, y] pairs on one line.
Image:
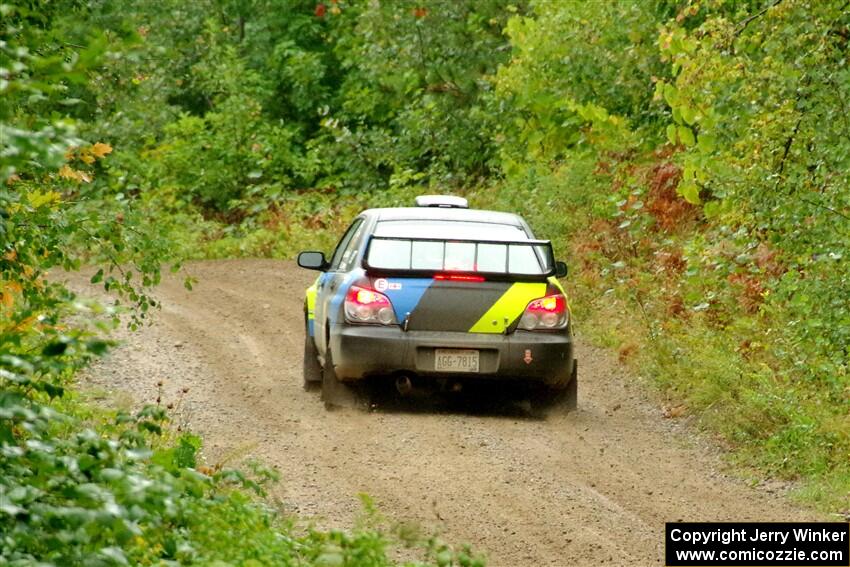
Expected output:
{"points": [[554, 281], [508, 307], [311, 298]]}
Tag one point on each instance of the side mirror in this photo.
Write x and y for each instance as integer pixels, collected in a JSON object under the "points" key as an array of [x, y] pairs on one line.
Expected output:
{"points": [[560, 270], [313, 261]]}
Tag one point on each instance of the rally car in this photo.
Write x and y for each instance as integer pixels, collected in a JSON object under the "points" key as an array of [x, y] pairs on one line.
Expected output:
{"points": [[438, 295]]}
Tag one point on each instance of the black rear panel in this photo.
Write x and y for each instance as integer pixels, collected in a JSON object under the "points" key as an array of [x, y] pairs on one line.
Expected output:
{"points": [[455, 306]]}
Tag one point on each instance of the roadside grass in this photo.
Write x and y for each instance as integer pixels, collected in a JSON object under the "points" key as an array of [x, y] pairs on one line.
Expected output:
{"points": [[772, 427], [711, 355], [715, 351]]}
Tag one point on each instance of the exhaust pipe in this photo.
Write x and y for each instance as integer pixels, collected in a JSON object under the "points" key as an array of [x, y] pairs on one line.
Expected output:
{"points": [[403, 385]]}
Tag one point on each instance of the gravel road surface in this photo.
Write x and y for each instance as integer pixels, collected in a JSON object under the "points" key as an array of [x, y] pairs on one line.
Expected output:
{"points": [[593, 487]]}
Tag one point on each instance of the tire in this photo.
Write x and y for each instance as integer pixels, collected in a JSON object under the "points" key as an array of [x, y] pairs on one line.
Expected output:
{"points": [[337, 394], [570, 395], [312, 373]]}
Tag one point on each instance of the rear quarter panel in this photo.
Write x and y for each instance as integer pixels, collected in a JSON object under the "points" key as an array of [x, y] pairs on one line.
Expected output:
{"points": [[310, 304]]}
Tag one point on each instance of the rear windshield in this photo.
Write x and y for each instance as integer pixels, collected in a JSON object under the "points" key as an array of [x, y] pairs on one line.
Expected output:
{"points": [[462, 230], [435, 254]]}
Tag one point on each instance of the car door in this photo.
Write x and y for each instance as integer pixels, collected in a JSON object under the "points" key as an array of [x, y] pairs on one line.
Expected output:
{"points": [[329, 282]]}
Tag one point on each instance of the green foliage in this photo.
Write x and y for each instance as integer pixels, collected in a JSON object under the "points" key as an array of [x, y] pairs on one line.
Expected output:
{"points": [[690, 160], [727, 222], [579, 76], [770, 109], [59, 217], [123, 493], [230, 105], [81, 486], [232, 152], [415, 88], [34, 72]]}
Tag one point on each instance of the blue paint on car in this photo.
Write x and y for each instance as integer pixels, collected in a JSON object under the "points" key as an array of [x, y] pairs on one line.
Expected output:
{"points": [[406, 298]]}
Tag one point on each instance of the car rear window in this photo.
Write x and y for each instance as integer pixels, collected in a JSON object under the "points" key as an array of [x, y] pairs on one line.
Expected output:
{"points": [[408, 254], [463, 246], [462, 230]]}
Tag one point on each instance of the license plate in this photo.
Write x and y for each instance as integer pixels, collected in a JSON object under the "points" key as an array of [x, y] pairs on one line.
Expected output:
{"points": [[455, 360]]}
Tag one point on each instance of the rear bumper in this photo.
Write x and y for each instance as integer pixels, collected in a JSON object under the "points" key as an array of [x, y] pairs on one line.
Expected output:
{"points": [[362, 351]]}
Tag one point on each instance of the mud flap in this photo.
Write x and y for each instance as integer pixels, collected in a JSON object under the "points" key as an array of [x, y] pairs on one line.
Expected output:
{"points": [[569, 397], [312, 370], [336, 394]]}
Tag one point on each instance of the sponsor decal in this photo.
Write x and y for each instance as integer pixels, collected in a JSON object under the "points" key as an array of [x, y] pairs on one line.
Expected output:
{"points": [[383, 284]]}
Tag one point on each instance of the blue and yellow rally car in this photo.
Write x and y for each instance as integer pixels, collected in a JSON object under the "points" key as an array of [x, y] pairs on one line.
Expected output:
{"points": [[438, 294]]}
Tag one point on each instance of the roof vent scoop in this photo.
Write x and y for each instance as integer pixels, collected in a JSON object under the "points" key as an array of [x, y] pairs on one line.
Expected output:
{"points": [[446, 201]]}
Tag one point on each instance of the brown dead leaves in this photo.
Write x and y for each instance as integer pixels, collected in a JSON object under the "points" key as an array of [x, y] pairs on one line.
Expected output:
{"points": [[668, 208], [87, 155]]}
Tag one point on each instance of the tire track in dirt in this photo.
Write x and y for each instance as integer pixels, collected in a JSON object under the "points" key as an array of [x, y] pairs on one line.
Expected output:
{"points": [[589, 488]]}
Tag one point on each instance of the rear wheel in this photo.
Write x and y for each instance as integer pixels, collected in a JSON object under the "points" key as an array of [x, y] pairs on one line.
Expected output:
{"points": [[545, 398]]}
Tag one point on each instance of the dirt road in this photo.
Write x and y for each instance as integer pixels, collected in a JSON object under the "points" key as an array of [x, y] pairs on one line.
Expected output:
{"points": [[589, 488]]}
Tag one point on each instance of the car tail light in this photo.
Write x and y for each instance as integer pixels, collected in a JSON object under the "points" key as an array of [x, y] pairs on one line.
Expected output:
{"points": [[459, 278], [548, 312], [363, 305]]}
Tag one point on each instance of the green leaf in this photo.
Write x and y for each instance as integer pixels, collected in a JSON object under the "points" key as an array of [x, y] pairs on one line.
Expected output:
{"points": [[689, 115], [671, 134], [677, 115], [706, 142], [11, 509], [690, 191], [671, 95], [687, 136], [712, 209], [150, 427], [50, 389]]}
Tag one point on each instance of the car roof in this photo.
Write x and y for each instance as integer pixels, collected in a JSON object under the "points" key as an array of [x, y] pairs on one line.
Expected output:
{"points": [[444, 213]]}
